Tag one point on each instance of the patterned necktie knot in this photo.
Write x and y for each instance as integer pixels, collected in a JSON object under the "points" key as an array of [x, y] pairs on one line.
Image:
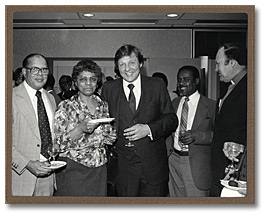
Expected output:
{"points": [[38, 94]]}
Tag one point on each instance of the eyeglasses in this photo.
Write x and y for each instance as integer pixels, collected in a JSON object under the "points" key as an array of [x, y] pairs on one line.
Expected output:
{"points": [[36, 70], [85, 79]]}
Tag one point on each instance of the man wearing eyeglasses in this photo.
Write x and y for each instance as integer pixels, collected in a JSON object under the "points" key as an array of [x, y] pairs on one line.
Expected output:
{"points": [[30, 175]]}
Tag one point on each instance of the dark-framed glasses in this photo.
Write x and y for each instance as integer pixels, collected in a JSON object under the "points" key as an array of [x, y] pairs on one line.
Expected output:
{"points": [[36, 70]]}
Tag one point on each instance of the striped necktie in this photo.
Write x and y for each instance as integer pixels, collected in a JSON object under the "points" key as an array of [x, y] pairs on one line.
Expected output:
{"points": [[184, 118]]}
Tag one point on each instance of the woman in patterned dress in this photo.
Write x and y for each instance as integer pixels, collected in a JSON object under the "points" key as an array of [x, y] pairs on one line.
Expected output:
{"points": [[82, 143]]}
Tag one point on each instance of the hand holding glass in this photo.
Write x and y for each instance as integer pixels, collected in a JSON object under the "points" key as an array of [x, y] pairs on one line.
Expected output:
{"points": [[232, 150], [183, 145], [110, 132], [130, 143]]}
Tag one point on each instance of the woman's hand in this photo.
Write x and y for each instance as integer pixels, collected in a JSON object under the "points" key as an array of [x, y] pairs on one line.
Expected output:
{"points": [[88, 127]]}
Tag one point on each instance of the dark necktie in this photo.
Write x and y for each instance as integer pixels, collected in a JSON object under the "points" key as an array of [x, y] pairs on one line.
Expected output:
{"points": [[44, 126], [131, 98], [184, 118]]}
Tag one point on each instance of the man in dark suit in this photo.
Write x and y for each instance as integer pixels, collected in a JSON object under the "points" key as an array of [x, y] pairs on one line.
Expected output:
{"points": [[189, 160], [144, 118], [231, 112]]}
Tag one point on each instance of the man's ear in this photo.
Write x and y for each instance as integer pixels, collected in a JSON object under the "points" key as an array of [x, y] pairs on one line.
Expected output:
{"points": [[141, 65], [197, 81], [24, 71]]}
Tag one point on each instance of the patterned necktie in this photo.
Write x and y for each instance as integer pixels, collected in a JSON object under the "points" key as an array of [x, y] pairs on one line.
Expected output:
{"points": [[184, 118], [44, 126], [131, 98]]}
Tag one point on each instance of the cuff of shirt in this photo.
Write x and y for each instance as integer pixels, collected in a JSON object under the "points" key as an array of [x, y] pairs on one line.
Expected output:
{"points": [[150, 135]]}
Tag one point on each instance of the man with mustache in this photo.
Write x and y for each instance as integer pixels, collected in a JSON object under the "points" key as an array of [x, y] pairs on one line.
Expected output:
{"points": [[189, 160]]}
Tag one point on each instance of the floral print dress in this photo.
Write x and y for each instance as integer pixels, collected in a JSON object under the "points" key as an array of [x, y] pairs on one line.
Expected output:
{"points": [[88, 149]]}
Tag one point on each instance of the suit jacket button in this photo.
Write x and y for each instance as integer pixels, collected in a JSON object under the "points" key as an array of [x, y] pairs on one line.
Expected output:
{"points": [[38, 145]]}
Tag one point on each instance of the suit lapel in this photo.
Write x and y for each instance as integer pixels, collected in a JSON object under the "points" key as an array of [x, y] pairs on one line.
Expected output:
{"points": [[200, 113], [145, 97], [27, 110], [116, 107]]}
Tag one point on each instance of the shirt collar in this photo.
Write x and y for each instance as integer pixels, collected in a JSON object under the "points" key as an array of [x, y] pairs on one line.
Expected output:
{"points": [[31, 91], [136, 83], [239, 76], [193, 97]]}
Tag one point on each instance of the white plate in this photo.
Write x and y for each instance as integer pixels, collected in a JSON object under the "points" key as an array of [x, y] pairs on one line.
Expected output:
{"points": [[56, 165], [103, 120], [226, 184]]}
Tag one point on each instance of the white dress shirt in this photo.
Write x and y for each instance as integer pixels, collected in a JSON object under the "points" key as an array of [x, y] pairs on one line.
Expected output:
{"points": [[192, 107], [137, 93], [136, 90]]}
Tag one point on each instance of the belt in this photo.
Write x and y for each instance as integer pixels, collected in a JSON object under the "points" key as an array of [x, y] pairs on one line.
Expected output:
{"points": [[181, 153]]}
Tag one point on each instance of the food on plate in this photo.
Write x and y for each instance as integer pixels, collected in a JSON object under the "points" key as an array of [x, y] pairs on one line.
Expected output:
{"points": [[233, 183], [237, 184]]}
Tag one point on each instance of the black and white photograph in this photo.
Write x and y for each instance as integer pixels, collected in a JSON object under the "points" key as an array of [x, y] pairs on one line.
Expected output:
{"points": [[130, 104]]}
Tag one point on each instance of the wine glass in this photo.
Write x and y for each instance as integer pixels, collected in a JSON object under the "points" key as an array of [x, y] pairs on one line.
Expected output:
{"points": [[232, 150], [109, 129], [130, 143], [53, 152]]}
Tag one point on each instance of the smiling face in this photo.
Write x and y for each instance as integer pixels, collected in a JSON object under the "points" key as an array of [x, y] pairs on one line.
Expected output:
{"points": [[39, 80], [129, 67], [86, 83], [186, 83]]}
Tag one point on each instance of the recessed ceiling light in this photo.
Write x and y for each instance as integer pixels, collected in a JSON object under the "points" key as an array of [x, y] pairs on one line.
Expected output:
{"points": [[172, 15], [88, 15]]}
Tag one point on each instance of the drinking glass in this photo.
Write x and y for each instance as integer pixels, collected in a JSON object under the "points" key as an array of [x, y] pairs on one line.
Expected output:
{"points": [[130, 143], [53, 152], [109, 129], [183, 146], [232, 150]]}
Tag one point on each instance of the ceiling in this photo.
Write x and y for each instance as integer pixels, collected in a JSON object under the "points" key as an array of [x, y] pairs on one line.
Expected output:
{"points": [[65, 20]]}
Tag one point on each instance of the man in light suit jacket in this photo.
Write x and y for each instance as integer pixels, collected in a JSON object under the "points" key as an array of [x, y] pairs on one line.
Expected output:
{"points": [[189, 158], [231, 111], [142, 163], [30, 177]]}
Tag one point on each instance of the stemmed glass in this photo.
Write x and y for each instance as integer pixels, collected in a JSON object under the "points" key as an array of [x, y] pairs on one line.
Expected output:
{"points": [[53, 152], [232, 150], [109, 129], [130, 143]]}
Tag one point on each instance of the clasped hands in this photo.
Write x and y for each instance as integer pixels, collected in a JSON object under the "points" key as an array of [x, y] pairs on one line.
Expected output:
{"points": [[136, 132]]}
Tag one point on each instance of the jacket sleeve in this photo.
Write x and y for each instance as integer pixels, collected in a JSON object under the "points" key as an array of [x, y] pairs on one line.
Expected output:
{"points": [[167, 121]]}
